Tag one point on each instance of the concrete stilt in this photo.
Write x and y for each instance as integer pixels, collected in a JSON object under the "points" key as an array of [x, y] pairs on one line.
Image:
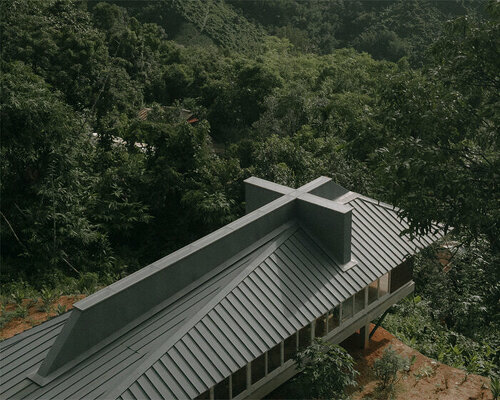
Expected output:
{"points": [[364, 336]]}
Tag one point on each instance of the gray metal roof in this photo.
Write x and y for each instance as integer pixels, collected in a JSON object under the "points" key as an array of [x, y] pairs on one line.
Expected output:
{"points": [[281, 278]]}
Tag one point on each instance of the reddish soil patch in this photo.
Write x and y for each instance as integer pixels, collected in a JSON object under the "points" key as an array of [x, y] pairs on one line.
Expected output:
{"points": [[426, 380], [35, 315]]}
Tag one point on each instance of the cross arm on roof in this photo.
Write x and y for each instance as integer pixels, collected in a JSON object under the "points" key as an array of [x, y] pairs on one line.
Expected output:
{"points": [[317, 210], [269, 206]]}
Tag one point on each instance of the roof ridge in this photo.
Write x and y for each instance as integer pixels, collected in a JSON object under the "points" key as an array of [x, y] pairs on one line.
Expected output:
{"points": [[285, 231]]}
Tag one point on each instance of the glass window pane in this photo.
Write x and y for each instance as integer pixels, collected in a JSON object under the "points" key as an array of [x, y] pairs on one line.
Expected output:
{"points": [[347, 308], [401, 275], [320, 327], [290, 347], [239, 381], [204, 396], [333, 318], [384, 285], [372, 291], [274, 358], [258, 368], [359, 301], [221, 390], [305, 337]]}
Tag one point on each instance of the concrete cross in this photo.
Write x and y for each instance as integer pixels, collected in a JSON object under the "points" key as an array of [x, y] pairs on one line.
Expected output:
{"points": [[318, 212]]}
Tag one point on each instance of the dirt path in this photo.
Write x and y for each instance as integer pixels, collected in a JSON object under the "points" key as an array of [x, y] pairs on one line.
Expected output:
{"points": [[426, 380]]}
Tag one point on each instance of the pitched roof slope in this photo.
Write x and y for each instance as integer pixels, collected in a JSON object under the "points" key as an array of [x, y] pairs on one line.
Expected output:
{"points": [[96, 375], [292, 286], [274, 276]]}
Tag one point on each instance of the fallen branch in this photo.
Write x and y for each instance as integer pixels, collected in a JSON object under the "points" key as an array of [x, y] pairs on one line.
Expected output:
{"points": [[70, 265], [13, 231]]}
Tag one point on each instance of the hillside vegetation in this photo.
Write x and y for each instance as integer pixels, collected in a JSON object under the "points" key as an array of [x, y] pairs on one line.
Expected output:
{"points": [[103, 172]]}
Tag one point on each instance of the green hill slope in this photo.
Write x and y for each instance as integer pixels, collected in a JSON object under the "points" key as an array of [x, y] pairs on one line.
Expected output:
{"points": [[200, 22]]}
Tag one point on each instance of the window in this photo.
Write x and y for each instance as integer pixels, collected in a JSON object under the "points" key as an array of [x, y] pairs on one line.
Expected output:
{"points": [[359, 301], [239, 381], [383, 288], [274, 358], [204, 396], [373, 291], [221, 390], [347, 308], [305, 337], [401, 275], [320, 326], [290, 347], [333, 318], [258, 368]]}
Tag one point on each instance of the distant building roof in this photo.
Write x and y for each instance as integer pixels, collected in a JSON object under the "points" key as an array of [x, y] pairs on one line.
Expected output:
{"points": [[183, 114], [184, 323]]}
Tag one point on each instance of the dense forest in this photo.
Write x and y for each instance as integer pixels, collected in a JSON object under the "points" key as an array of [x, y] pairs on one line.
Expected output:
{"points": [[127, 128]]}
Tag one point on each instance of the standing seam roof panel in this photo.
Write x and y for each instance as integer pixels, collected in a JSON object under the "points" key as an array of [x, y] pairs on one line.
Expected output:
{"points": [[374, 255], [179, 375], [378, 220], [221, 337], [246, 349], [226, 307], [186, 369], [287, 288], [265, 314], [323, 270], [279, 269], [331, 272], [190, 359], [284, 262], [377, 245], [158, 384], [329, 267], [148, 388], [374, 216], [271, 305], [277, 301], [287, 296], [168, 380], [314, 273], [212, 341], [264, 334]]}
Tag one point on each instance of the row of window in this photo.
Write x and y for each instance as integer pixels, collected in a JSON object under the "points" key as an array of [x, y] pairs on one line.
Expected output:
{"points": [[257, 369]]}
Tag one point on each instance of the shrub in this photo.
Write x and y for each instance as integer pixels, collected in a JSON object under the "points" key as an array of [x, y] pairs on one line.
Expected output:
{"points": [[88, 282], [21, 311], [326, 370], [495, 387], [386, 369], [61, 309], [48, 296]]}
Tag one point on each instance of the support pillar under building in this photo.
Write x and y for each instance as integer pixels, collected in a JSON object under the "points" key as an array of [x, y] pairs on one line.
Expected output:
{"points": [[364, 336]]}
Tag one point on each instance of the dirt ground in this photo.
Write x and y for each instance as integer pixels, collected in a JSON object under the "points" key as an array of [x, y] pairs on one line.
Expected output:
{"points": [[35, 315], [426, 380]]}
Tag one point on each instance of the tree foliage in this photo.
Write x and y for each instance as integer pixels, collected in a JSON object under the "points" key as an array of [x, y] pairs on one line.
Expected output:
{"points": [[325, 371], [128, 127], [438, 154]]}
